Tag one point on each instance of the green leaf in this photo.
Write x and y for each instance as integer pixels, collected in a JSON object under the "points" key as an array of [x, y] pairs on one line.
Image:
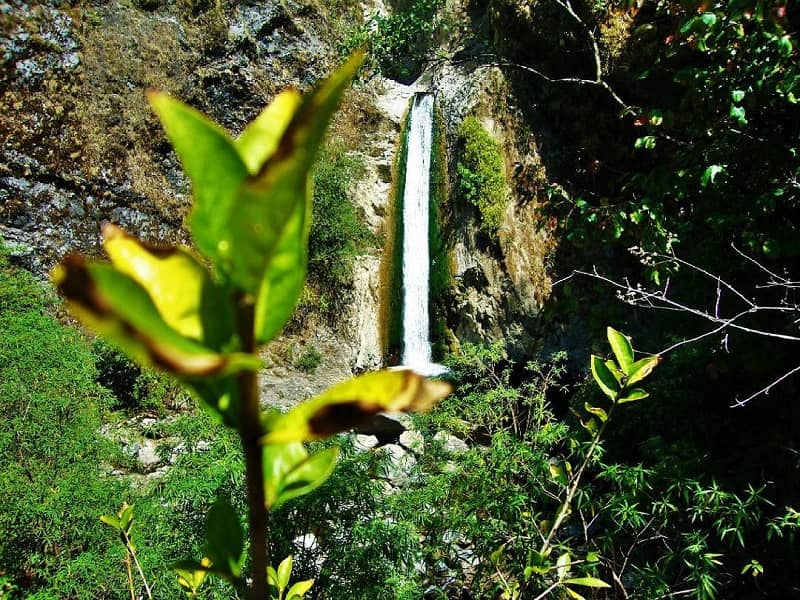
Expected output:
{"points": [[191, 574], [633, 395], [290, 472], [604, 378], [785, 45], [178, 285], [710, 174], [615, 371], [562, 565], [224, 541], [214, 167], [272, 576], [115, 306], [573, 594], [284, 572], [642, 368], [737, 95], [261, 137], [592, 557], [353, 403], [623, 351], [738, 113], [299, 589], [283, 188], [111, 521], [596, 411], [648, 142], [592, 582]]}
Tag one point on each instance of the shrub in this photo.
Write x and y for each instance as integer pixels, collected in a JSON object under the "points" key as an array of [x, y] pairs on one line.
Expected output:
{"points": [[338, 232], [400, 42], [309, 360], [481, 174], [50, 452]]}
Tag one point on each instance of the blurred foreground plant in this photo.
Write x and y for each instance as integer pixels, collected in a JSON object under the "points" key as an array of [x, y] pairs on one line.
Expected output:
{"points": [[164, 308]]}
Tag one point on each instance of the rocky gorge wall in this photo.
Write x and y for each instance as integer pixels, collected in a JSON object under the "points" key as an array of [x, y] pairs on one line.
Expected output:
{"points": [[81, 147]]}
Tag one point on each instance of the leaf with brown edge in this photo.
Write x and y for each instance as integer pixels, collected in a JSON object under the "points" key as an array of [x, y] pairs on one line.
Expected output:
{"points": [[353, 403], [177, 283], [118, 308]]}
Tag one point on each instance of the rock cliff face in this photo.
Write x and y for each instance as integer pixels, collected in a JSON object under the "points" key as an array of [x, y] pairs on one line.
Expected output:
{"points": [[80, 147], [501, 283]]}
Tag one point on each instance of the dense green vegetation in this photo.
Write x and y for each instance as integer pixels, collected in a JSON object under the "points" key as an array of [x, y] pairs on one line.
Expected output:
{"points": [[480, 172], [681, 496], [400, 42], [57, 467], [338, 232]]}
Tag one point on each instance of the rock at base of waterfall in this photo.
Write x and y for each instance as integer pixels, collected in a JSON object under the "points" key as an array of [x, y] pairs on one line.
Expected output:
{"points": [[400, 465], [413, 441], [450, 442]]}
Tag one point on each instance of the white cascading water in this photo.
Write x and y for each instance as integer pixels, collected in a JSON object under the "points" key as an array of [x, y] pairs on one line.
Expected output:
{"points": [[416, 257]]}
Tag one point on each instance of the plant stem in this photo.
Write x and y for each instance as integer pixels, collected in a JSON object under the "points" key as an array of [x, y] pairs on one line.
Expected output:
{"points": [[572, 488], [251, 431], [132, 554], [130, 574]]}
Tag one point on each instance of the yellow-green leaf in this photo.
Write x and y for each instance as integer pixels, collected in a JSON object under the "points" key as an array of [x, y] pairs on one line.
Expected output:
{"points": [[191, 574], [596, 411], [179, 286], [562, 565], [592, 582], [615, 371], [623, 351], [214, 167], [642, 368], [118, 308], [289, 471], [284, 572], [604, 378], [353, 403], [573, 594], [260, 138], [281, 283], [299, 589], [634, 395]]}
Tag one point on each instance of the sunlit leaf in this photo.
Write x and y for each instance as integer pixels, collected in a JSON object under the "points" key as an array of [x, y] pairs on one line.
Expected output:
{"points": [[710, 174], [353, 403], [212, 164], [272, 576], [285, 180], [592, 582], [604, 378], [284, 572], [224, 540], [621, 346], [260, 138], [615, 370], [573, 594], [289, 471], [118, 308], [299, 589], [191, 574], [111, 521], [642, 368], [178, 285], [634, 395], [596, 411], [562, 565]]}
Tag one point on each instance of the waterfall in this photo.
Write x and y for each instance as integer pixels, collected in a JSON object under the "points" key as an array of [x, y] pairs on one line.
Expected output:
{"points": [[416, 253]]}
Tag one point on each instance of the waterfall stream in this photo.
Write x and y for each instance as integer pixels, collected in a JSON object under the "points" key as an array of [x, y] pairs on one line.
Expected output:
{"points": [[416, 253]]}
